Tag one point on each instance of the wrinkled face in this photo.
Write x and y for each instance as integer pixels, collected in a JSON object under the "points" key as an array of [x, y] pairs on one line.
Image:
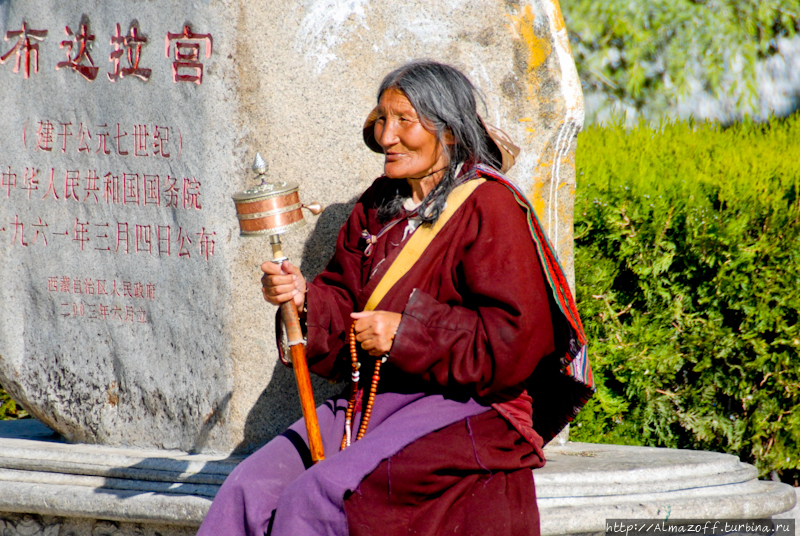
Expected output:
{"points": [[412, 151]]}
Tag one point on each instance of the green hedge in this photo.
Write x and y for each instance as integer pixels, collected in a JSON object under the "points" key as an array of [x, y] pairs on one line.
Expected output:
{"points": [[688, 281], [10, 409]]}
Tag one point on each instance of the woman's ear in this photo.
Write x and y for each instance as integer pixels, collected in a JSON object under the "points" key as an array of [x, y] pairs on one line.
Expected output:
{"points": [[448, 138]]}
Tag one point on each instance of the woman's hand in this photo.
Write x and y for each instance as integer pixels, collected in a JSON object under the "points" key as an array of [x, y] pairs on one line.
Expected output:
{"points": [[282, 283], [375, 330]]}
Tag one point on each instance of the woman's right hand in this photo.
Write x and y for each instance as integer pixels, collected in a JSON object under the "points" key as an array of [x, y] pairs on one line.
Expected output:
{"points": [[280, 284]]}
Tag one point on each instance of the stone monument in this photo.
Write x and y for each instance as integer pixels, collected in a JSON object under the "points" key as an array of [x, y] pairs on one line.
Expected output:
{"points": [[130, 312]]}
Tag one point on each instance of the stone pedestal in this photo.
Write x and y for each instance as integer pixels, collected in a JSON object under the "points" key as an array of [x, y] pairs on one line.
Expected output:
{"points": [[584, 484], [87, 490]]}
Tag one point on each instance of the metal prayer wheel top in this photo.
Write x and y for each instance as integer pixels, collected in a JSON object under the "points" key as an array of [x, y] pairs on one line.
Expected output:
{"points": [[270, 208]]}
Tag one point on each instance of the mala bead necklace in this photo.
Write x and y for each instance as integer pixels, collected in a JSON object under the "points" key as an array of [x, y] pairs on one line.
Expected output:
{"points": [[355, 376]]}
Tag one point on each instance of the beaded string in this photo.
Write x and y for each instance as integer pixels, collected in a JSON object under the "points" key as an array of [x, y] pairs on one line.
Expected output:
{"points": [[355, 376], [373, 389]]}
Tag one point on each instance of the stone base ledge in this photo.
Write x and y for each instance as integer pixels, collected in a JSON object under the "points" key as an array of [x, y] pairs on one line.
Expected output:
{"points": [[584, 484], [103, 503], [86, 490], [96, 490], [584, 516], [35, 525]]}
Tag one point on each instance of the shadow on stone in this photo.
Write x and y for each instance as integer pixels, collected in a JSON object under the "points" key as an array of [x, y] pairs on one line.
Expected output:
{"points": [[279, 404], [220, 408], [321, 243], [29, 429]]}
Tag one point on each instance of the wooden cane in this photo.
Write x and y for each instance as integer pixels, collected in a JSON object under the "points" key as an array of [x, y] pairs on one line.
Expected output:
{"points": [[294, 336]]}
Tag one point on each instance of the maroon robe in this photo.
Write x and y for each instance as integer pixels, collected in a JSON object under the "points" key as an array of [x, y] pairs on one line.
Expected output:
{"points": [[475, 323]]}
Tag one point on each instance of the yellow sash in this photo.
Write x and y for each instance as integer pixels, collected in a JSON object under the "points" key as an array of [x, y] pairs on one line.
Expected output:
{"points": [[419, 241]]}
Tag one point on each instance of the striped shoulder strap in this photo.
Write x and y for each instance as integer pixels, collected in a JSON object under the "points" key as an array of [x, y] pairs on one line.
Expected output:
{"points": [[562, 390]]}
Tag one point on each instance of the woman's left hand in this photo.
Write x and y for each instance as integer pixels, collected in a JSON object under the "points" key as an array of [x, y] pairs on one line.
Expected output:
{"points": [[375, 330]]}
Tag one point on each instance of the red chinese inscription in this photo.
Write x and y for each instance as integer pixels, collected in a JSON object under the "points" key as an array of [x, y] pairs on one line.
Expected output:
{"points": [[51, 186], [110, 188], [130, 187], [160, 140], [81, 230], [140, 136], [102, 140], [19, 227], [91, 185], [147, 139], [29, 180], [81, 39], [125, 56], [130, 47], [191, 193], [64, 133], [23, 49], [43, 226], [8, 181], [44, 136], [187, 54], [72, 181], [104, 312], [206, 243], [94, 286]]}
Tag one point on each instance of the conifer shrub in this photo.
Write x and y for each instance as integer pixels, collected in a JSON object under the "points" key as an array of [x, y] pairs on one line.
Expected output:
{"points": [[688, 281], [10, 409]]}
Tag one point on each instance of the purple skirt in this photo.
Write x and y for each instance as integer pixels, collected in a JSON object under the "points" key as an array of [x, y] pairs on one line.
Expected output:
{"points": [[276, 491]]}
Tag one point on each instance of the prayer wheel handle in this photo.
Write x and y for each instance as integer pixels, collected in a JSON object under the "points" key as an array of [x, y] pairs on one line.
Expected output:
{"points": [[315, 208], [271, 209]]}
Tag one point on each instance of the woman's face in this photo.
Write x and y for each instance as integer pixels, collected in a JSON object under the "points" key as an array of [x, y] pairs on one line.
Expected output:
{"points": [[412, 151]]}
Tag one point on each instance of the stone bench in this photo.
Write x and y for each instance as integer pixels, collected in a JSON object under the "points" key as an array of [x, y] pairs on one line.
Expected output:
{"points": [[88, 490]]}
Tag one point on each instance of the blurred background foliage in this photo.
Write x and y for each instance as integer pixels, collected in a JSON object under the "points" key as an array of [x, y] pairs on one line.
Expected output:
{"points": [[10, 409], [645, 57], [687, 241]]}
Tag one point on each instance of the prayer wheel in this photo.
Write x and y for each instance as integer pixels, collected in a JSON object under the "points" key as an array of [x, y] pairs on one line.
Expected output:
{"points": [[271, 209]]}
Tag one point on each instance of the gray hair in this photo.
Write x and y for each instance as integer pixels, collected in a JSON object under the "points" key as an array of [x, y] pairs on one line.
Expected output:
{"points": [[444, 98]]}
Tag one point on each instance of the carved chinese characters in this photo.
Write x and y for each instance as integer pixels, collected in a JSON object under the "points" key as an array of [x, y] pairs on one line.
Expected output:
{"points": [[78, 60], [109, 187], [187, 54], [125, 55], [23, 49], [128, 47]]}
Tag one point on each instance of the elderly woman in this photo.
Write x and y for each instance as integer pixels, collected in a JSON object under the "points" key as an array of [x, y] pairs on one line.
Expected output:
{"points": [[447, 307]]}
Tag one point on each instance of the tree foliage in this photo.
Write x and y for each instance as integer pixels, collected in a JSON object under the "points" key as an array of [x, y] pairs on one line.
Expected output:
{"points": [[687, 265], [645, 52], [10, 409]]}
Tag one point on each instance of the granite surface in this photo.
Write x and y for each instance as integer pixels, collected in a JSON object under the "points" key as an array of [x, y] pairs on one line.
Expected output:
{"points": [[35, 525], [585, 484], [588, 470], [794, 513], [130, 311]]}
